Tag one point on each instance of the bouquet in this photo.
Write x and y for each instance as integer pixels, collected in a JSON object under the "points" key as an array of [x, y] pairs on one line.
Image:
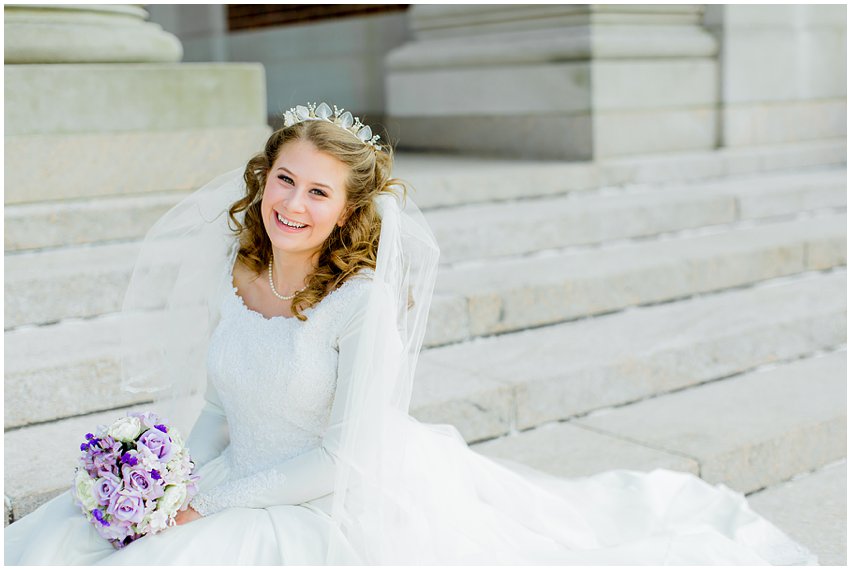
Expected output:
{"points": [[134, 477]]}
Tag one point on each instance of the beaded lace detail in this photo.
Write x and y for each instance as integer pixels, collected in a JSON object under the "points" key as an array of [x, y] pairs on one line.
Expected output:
{"points": [[276, 379]]}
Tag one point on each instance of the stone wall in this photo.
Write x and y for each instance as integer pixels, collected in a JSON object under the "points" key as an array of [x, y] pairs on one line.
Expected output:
{"points": [[783, 72], [336, 60]]}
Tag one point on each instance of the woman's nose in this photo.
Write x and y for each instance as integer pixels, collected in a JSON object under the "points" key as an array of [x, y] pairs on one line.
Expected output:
{"points": [[295, 200]]}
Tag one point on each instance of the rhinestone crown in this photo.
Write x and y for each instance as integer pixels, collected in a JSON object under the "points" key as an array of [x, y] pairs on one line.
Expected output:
{"points": [[343, 120]]}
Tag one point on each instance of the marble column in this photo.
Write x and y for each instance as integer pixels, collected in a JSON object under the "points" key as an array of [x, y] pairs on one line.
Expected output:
{"points": [[555, 81], [73, 33]]}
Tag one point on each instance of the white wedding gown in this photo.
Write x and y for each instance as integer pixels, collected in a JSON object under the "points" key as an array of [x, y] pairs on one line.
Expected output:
{"points": [[267, 474]]}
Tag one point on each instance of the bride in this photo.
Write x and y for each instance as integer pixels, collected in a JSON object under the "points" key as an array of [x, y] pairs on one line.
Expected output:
{"points": [[294, 294]]}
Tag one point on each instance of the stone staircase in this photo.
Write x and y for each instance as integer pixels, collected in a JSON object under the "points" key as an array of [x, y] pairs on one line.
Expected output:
{"points": [[685, 312]]}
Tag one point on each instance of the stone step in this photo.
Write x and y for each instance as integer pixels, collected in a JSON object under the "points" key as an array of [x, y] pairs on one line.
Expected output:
{"points": [[86, 281], [515, 294], [478, 231], [812, 509], [625, 212], [491, 386], [83, 351], [680, 433], [76, 222], [750, 431], [445, 180]]}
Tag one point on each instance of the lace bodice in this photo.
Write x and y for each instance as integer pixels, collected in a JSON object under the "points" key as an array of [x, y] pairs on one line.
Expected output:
{"points": [[275, 379]]}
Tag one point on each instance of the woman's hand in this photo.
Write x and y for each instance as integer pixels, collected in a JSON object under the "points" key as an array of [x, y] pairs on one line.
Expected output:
{"points": [[189, 515]]}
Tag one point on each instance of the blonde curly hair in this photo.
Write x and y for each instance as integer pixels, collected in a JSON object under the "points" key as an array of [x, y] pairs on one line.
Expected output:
{"points": [[349, 248]]}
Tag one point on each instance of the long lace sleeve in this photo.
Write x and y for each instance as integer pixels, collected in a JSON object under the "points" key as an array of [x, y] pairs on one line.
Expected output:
{"points": [[304, 477], [209, 436]]}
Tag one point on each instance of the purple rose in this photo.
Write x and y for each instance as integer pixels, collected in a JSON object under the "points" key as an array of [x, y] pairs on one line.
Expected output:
{"points": [[105, 487], [115, 530], [140, 479], [148, 419], [158, 442], [126, 506]]}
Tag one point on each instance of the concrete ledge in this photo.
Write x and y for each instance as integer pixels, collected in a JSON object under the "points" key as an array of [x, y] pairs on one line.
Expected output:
{"points": [[99, 98], [701, 165], [112, 164], [750, 431], [93, 220], [624, 357], [519, 293], [442, 180]]}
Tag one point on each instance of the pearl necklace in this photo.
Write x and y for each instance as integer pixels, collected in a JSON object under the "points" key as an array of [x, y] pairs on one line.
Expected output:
{"points": [[278, 295]]}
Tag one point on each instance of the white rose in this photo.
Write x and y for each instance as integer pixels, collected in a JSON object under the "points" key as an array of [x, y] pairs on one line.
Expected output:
{"points": [[158, 521], [125, 429], [148, 459], [84, 486], [177, 443], [174, 463], [172, 499]]}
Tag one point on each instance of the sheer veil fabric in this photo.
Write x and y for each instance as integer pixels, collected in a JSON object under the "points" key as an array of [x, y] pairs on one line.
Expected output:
{"points": [[406, 491]]}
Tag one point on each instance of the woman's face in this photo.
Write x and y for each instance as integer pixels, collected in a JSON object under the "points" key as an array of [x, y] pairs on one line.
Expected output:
{"points": [[304, 187]]}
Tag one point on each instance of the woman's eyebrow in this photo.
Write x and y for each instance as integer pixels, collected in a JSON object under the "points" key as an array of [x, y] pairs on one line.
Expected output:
{"points": [[315, 183]]}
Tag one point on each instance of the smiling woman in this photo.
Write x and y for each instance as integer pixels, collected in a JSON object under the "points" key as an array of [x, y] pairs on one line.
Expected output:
{"points": [[310, 221]]}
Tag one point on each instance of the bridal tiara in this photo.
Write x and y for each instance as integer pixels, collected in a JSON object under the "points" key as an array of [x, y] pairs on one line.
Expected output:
{"points": [[323, 112]]}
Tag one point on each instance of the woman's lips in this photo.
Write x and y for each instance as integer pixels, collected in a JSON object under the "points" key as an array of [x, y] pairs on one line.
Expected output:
{"points": [[284, 227]]}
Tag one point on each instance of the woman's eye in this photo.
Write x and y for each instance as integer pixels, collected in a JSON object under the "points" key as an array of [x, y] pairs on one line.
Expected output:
{"points": [[289, 180]]}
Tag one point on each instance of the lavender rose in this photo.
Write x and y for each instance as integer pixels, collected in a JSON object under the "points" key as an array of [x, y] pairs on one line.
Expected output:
{"points": [[105, 487], [148, 419], [158, 442], [127, 505], [114, 531], [141, 480]]}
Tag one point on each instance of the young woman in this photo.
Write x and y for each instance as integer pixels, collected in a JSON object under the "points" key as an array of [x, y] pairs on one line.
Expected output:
{"points": [[296, 294]]}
